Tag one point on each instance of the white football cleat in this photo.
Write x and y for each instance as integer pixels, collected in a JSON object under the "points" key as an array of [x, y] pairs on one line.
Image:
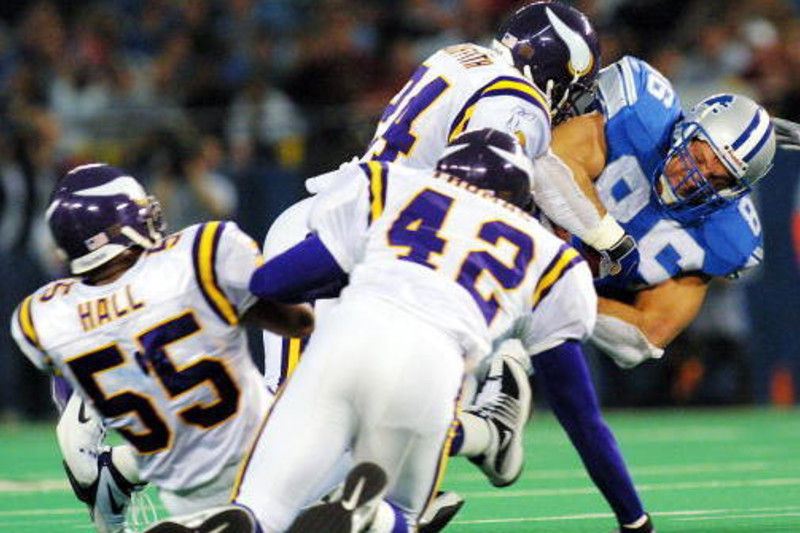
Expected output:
{"points": [[355, 508], [440, 512], [109, 496], [643, 525], [506, 413], [228, 518]]}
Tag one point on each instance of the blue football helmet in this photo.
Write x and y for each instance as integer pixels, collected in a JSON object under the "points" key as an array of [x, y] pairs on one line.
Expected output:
{"points": [[741, 135], [493, 160], [556, 47], [96, 212]]}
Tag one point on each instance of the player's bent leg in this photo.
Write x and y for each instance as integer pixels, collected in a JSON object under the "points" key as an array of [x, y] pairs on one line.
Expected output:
{"points": [[504, 414], [109, 495], [104, 478], [413, 445]]}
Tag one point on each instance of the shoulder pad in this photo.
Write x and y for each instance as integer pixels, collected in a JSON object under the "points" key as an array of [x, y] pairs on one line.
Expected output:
{"points": [[639, 104]]}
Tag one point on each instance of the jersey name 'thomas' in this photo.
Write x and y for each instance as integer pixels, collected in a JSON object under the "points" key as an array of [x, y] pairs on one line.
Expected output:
{"points": [[159, 352], [459, 88], [463, 260]]}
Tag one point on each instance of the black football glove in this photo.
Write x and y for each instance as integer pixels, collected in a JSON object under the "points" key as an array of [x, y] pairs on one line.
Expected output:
{"points": [[622, 259]]}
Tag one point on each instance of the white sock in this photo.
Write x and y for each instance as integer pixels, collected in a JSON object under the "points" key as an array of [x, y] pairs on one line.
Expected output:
{"points": [[639, 523], [385, 518], [477, 436]]}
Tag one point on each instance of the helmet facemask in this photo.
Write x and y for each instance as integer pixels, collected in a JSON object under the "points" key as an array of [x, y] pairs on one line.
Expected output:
{"points": [[694, 197], [576, 99]]}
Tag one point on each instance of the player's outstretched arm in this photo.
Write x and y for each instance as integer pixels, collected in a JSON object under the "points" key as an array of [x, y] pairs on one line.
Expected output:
{"points": [[305, 272], [631, 334], [564, 377], [564, 189]]}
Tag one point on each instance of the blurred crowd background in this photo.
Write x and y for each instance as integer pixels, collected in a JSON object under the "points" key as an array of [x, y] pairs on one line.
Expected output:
{"points": [[223, 107]]}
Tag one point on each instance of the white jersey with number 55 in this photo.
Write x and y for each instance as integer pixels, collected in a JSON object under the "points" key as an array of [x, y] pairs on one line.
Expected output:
{"points": [[459, 88], [463, 260], [160, 352]]}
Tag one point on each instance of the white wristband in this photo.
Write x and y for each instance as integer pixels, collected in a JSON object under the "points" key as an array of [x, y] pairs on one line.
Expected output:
{"points": [[605, 235]]}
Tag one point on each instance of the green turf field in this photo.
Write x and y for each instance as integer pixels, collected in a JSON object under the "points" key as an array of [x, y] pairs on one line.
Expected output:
{"points": [[698, 471]]}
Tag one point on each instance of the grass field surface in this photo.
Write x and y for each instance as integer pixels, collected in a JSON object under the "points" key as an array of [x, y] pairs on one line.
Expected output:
{"points": [[697, 471]]}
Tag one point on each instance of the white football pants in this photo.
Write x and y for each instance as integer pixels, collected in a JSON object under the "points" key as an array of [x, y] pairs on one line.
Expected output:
{"points": [[374, 379]]}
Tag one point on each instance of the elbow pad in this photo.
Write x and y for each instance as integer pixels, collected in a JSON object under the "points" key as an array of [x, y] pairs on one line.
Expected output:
{"points": [[563, 201], [623, 342]]}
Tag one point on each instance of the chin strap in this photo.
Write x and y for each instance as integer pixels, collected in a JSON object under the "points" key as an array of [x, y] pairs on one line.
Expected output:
{"points": [[787, 133]]}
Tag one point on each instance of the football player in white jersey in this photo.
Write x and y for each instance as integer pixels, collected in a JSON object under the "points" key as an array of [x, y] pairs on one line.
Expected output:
{"points": [[148, 333], [545, 60], [441, 265]]}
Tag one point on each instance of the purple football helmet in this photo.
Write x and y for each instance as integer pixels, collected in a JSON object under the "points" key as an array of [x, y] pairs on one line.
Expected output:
{"points": [[556, 47], [96, 212], [493, 160]]}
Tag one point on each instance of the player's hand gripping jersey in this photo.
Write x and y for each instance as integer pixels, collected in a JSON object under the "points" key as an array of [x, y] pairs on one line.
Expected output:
{"points": [[159, 353], [473, 265], [458, 88], [640, 109]]}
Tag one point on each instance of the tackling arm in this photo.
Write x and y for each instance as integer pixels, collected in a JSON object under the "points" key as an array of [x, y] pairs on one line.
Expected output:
{"points": [[304, 272], [564, 186], [567, 198], [631, 334], [579, 144]]}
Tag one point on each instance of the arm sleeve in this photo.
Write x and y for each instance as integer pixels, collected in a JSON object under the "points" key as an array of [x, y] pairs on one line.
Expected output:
{"points": [[302, 273], [554, 188], [560, 198]]}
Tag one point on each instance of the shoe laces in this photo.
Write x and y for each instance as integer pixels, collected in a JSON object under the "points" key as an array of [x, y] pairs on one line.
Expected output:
{"points": [[501, 408]]}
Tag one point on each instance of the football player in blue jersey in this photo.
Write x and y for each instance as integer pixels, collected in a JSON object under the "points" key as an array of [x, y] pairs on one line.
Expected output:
{"points": [[679, 183]]}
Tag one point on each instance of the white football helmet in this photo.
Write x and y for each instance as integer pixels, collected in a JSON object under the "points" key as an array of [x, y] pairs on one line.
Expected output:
{"points": [[740, 133]]}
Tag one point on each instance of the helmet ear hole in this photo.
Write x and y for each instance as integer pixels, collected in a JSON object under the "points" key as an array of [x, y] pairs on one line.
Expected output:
{"points": [[524, 51]]}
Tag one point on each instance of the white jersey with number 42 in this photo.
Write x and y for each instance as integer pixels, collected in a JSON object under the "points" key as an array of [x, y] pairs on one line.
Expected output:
{"points": [[159, 352], [459, 88], [463, 260]]}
